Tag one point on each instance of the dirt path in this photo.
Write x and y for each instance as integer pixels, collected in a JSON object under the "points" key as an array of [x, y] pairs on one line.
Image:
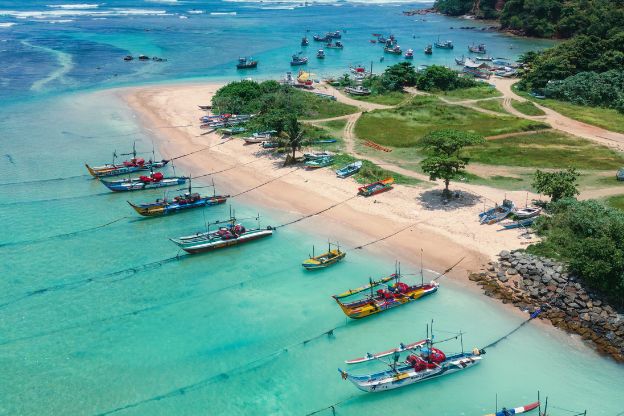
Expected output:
{"points": [[340, 97], [559, 121]]}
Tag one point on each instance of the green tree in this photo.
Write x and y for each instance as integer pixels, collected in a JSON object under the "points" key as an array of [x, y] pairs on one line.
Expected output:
{"points": [[444, 160], [439, 78], [557, 185]]}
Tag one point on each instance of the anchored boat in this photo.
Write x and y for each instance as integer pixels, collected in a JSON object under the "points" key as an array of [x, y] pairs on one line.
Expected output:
{"points": [[332, 256], [376, 187], [230, 233], [445, 44], [305, 41], [409, 54], [320, 54], [423, 363], [428, 50], [388, 295], [246, 63], [135, 164], [179, 203], [298, 60], [153, 181], [337, 45], [395, 50], [480, 48]]}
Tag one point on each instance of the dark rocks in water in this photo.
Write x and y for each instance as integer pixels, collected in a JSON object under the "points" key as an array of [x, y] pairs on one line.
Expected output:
{"points": [[10, 158]]}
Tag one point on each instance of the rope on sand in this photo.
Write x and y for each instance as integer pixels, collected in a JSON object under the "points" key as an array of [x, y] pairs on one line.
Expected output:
{"points": [[316, 213]]}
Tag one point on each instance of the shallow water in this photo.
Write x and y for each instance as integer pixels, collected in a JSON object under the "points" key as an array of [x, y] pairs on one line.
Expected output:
{"points": [[94, 320]]}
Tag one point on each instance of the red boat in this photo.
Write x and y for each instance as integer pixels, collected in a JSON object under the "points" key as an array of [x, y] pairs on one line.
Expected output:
{"points": [[376, 187]]}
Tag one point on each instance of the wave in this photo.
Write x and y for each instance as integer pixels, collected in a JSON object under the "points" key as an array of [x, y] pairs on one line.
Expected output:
{"points": [[74, 6], [7, 24], [162, 1], [223, 13], [195, 12], [61, 21], [303, 3], [60, 13]]}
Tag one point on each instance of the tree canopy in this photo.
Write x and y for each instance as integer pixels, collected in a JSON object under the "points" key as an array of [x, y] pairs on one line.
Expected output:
{"points": [[557, 185], [436, 77]]}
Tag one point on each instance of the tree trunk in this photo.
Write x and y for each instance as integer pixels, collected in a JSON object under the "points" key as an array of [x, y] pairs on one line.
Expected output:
{"points": [[446, 193]]}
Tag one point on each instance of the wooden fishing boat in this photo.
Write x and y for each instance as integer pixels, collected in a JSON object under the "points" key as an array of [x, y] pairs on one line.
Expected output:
{"points": [[254, 140], [317, 155], [332, 256], [270, 145], [298, 60], [409, 54], [320, 54], [527, 212], [334, 35], [460, 61], [336, 45], [188, 200], [516, 410], [135, 164], [370, 357], [445, 44], [376, 187], [154, 181], [319, 38], [319, 163], [350, 169], [395, 50], [305, 41], [230, 233], [425, 362], [233, 130], [388, 296], [246, 63], [358, 90], [480, 48], [519, 223], [498, 213], [325, 141], [428, 50]]}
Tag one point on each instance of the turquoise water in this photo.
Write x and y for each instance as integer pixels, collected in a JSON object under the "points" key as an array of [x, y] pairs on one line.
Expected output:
{"points": [[96, 320]]}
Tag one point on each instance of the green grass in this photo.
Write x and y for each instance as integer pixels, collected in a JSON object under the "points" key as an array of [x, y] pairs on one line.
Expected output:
{"points": [[319, 108], [371, 172], [391, 98], [473, 93], [616, 202], [336, 125], [314, 133], [405, 125], [495, 105], [597, 116], [527, 108], [546, 150]]}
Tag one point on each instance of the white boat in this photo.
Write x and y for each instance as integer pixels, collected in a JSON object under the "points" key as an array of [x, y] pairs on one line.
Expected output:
{"points": [[527, 212]]}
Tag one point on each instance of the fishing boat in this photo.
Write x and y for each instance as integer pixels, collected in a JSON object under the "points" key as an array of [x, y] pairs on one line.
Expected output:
{"points": [[480, 48], [425, 362], [319, 38], [179, 203], [516, 410], [298, 60], [460, 61], [135, 164], [230, 233], [395, 50], [320, 54], [376, 35], [359, 90], [428, 50], [373, 41], [376, 187], [332, 256], [325, 141], [350, 169], [254, 140], [153, 181], [317, 155], [366, 301], [232, 130], [527, 212], [409, 54], [523, 223], [270, 145], [334, 35], [305, 41], [246, 63], [498, 213], [336, 45], [484, 58], [445, 44], [319, 162]]}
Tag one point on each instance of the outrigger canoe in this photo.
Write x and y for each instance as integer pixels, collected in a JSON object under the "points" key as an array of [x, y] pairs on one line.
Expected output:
{"points": [[516, 410], [229, 235], [179, 203], [131, 166], [154, 181], [387, 297], [376, 187], [332, 256]]}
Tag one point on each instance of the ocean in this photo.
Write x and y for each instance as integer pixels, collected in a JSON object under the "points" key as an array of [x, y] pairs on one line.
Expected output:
{"points": [[100, 313]]}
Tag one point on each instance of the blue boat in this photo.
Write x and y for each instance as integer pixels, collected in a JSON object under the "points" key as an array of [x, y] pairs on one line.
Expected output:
{"points": [[498, 213], [350, 169], [519, 224], [154, 181]]}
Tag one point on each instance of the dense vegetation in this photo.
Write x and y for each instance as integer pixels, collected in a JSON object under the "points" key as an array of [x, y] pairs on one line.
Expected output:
{"points": [[394, 78], [485, 9], [590, 238], [403, 74], [439, 78], [591, 89]]}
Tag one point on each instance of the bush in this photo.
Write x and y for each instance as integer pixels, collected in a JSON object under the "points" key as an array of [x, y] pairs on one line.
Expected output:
{"points": [[439, 78], [590, 88], [590, 238]]}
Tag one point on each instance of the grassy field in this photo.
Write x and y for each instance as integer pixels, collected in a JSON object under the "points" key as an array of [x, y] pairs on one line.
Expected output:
{"points": [[602, 117], [616, 201], [404, 126], [314, 133], [319, 108], [371, 172], [391, 98], [474, 93], [527, 107], [335, 125], [546, 150], [495, 105]]}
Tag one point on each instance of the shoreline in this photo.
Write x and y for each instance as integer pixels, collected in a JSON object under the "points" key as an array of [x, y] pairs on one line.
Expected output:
{"points": [[444, 236]]}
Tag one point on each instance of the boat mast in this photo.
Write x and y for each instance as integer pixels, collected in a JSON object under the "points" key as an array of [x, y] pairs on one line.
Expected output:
{"points": [[422, 276]]}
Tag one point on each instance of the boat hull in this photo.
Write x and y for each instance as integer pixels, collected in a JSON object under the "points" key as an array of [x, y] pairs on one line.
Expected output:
{"points": [[157, 210], [135, 185], [116, 170], [316, 263], [194, 247]]}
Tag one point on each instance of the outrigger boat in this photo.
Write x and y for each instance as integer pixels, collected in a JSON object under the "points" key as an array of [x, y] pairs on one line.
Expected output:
{"points": [[155, 180], [425, 362], [179, 203], [388, 296], [527, 212], [230, 233], [376, 187], [519, 223], [332, 256], [350, 169], [498, 213], [129, 166]]}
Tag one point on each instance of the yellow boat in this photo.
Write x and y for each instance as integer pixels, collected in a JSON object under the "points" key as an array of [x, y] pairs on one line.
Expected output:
{"points": [[332, 256]]}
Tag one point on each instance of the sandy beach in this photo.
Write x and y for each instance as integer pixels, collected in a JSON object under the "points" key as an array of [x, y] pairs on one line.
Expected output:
{"points": [[444, 235]]}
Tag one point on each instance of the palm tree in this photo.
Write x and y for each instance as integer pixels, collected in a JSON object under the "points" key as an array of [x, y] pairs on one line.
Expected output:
{"points": [[292, 137]]}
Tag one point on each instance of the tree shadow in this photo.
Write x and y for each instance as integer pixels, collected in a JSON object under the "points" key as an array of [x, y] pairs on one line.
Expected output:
{"points": [[433, 200]]}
